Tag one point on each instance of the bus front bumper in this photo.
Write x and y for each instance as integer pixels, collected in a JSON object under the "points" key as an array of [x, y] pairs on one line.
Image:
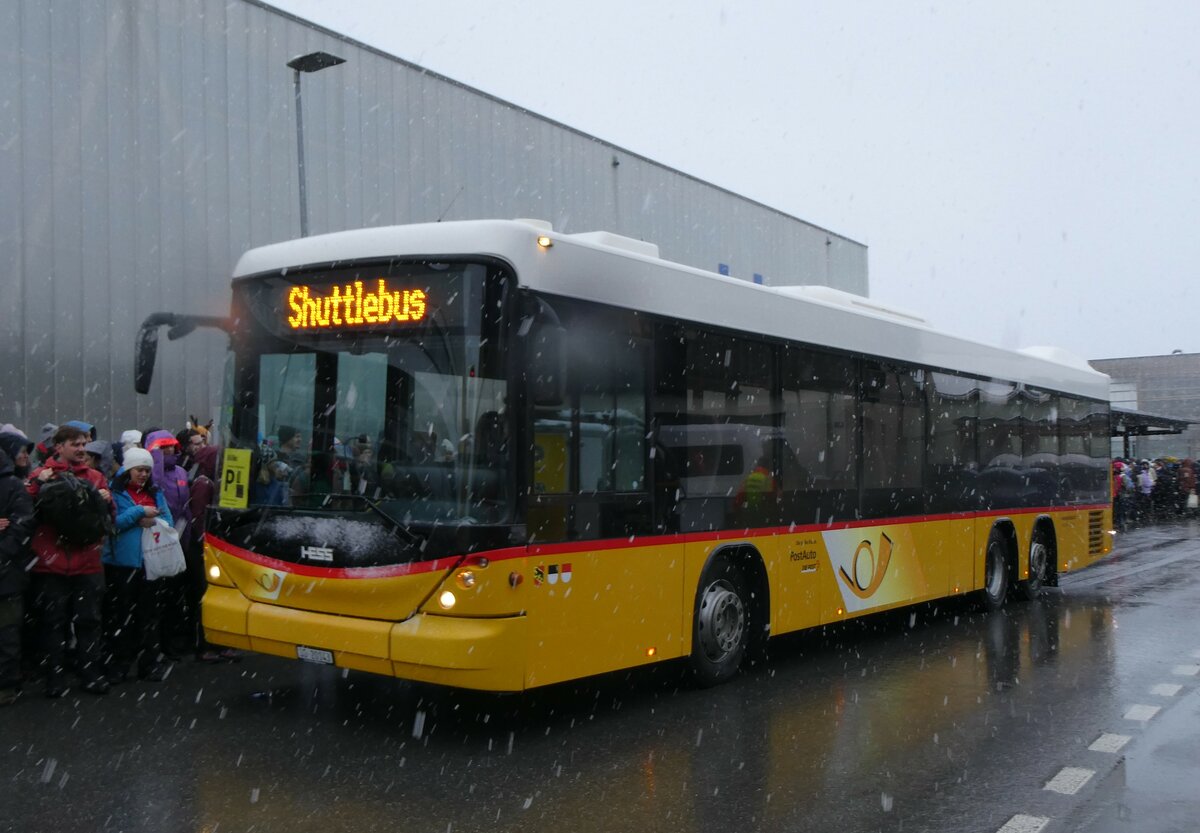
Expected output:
{"points": [[486, 654]]}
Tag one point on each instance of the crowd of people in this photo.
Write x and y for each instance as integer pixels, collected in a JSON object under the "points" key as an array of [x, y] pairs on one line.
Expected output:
{"points": [[1148, 491], [76, 603]]}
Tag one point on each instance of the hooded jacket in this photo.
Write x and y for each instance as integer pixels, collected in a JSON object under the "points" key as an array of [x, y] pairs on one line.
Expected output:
{"points": [[126, 548], [11, 443], [171, 478], [17, 508], [53, 554]]}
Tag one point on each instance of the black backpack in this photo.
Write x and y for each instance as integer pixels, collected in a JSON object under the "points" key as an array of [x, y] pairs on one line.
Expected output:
{"points": [[75, 508]]}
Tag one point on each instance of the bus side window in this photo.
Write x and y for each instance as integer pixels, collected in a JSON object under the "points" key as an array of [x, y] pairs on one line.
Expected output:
{"points": [[821, 432]]}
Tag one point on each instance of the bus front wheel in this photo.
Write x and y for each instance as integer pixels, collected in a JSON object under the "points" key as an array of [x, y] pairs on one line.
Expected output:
{"points": [[995, 572], [721, 629]]}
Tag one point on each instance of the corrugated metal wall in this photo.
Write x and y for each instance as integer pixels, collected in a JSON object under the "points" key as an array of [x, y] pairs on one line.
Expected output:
{"points": [[1163, 385], [144, 144]]}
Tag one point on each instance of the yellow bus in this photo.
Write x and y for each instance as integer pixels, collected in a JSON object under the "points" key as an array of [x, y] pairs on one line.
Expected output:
{"points": [[490, 455]]}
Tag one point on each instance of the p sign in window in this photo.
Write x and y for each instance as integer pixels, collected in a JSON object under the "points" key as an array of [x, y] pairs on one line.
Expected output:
{"points": [[235, 479]]}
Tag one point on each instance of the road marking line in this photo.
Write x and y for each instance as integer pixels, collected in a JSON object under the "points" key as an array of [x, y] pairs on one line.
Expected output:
{"points": [[1110, 743], [1166, 689], [1023, 824], [1143, 713], [1186, 670], [1069, 780]]}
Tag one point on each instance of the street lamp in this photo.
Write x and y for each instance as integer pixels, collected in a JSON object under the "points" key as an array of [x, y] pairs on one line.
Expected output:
{"points": [[312, 62]]}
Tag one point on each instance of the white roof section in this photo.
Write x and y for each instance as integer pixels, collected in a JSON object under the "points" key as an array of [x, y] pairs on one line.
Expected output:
{"points": [[621, 272]]}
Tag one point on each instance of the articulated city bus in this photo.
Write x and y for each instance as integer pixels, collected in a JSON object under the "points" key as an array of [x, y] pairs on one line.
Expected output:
{"points": [[489, 455]]}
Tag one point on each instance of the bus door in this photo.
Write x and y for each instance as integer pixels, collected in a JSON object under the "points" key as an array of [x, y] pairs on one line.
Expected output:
{"points": [[603, 599]]}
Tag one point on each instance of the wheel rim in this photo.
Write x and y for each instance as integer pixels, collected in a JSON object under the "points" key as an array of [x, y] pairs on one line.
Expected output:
{"points": [[722, 620], [995, 572], [1038, 558]]}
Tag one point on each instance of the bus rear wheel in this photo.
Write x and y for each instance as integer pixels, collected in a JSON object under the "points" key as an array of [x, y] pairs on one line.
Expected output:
{"points": [[995, 572], [721, 629], [1039, 566]]}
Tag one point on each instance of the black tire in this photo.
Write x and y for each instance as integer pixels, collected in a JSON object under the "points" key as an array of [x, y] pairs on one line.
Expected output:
{"points": [[995, 571], [721, 624], [1040, 554]]}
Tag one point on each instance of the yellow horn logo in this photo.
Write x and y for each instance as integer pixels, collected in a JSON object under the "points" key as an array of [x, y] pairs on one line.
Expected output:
{"points": [[270, 582], [859, 587]]}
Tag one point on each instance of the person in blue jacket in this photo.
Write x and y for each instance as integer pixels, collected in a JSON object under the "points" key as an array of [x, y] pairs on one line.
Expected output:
{"points": [[133, 605]]}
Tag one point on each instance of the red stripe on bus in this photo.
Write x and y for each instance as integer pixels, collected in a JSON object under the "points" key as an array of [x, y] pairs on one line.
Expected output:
{"points": [[567, 548], [791, 529], [385, 571]]}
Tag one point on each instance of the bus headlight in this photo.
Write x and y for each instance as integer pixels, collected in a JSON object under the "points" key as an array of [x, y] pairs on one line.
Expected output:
{"points": [[214, 573], [447, 600]]}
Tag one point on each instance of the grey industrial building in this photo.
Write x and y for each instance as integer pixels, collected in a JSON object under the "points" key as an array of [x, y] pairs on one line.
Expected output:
{"points": [[1166, 386], [145, 144]]}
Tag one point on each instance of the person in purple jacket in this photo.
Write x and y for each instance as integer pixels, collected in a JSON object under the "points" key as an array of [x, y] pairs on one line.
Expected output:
{"points": [[175, 483]]}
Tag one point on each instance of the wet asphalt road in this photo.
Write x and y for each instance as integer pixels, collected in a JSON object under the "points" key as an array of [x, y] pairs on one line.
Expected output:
{"points": [[938, 718]]}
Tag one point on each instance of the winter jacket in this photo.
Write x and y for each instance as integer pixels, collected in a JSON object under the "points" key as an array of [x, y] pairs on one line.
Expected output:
{"points": [[204, 475], [171, 478], [54, 555], [1187, 477], [17, 508], [126, 549]]}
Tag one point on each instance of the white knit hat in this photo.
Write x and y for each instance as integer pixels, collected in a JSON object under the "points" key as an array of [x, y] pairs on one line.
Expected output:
{"points": [[131, 438], [136, 457]]}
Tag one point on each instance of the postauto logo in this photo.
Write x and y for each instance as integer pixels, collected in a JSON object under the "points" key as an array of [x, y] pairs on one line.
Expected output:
{"points": [[875, 566]]}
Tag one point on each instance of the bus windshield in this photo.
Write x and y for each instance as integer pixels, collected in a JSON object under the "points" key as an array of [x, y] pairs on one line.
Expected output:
{"points": [[408, 415]]}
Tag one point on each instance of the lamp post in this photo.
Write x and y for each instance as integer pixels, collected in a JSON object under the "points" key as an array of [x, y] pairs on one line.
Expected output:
{"points": [[312, 62]]}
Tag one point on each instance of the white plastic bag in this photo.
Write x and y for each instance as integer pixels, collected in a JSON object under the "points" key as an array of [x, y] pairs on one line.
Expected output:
{"points": [[161, 553]]}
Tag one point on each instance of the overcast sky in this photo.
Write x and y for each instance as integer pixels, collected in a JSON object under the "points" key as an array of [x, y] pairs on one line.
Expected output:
{"points": [[1023, 173]]}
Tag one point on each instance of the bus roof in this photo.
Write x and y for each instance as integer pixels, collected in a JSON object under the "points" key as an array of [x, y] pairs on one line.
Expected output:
{"points": [[609, 269]]}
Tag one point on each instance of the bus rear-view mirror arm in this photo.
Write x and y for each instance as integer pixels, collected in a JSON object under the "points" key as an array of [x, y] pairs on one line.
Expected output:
{"points": [[146, 350]]}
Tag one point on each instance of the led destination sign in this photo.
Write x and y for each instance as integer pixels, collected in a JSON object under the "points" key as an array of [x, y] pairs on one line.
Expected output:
{"points": [[352, 304]]}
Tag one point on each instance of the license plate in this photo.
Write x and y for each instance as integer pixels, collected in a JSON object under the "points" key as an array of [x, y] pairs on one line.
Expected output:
{"points": [[314, 655]]}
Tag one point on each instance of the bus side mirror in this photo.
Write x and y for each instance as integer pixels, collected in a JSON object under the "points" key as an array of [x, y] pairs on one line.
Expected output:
{"points": [[146, 352], [545, 353]]}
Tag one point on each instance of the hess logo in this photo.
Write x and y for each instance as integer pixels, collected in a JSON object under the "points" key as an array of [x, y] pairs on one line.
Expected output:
{"points": [[866, 572], [317, 554]]}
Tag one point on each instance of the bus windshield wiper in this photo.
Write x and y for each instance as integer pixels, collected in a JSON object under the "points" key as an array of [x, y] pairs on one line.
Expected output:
{"points": [[399, 526]]}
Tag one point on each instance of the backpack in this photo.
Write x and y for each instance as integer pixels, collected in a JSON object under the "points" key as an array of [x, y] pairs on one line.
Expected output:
{"points": [[75, 509]]}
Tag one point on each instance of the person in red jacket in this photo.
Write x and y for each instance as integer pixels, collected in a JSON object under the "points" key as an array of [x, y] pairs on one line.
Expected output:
{"points": [[68, 579]]}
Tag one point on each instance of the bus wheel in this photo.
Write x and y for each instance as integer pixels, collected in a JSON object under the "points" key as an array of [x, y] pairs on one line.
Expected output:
{"points": [[722, 626], [995, 572], [1039, 566]]}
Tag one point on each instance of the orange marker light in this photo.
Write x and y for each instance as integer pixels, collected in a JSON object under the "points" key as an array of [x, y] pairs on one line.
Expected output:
{"points": [[651, 652], [545, 242]]}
